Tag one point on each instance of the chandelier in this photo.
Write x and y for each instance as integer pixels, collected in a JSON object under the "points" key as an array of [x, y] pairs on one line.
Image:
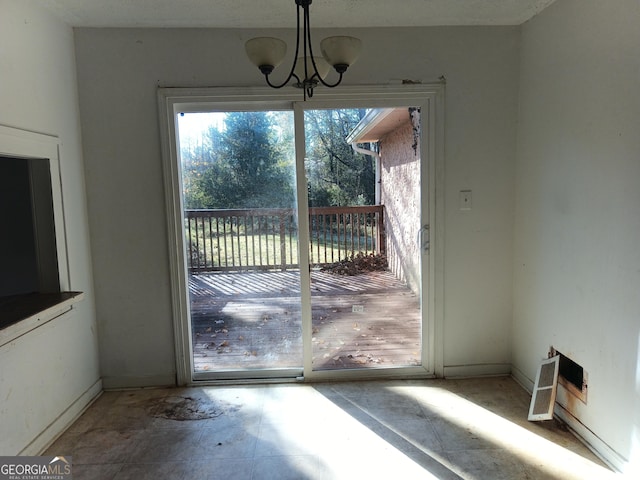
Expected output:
{"points": [[307, 71]]}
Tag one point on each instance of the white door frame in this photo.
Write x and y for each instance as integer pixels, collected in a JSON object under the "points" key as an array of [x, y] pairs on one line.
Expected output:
{"points": [[430, 98]]}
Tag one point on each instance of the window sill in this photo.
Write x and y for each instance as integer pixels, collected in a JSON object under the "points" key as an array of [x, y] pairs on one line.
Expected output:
{"points": [[20, 314]]}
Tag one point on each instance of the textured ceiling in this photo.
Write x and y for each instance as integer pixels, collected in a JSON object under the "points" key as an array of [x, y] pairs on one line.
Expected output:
{"points": [[280, 13]]}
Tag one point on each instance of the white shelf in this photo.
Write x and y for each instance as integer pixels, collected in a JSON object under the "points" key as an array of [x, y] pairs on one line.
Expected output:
{"points": [[24, 313]]}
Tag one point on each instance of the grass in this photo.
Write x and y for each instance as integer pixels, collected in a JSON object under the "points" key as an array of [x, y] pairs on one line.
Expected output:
{"points": [[266, 251]]}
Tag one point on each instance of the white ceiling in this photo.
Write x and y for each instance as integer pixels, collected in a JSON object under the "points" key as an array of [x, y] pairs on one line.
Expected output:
{"points": [[281, 13]]}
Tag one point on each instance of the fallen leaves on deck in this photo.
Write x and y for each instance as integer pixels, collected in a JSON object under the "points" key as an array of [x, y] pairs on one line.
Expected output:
{"points": [[357, 264]]}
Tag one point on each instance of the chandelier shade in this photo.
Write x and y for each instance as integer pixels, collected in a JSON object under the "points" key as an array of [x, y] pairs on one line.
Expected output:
{"points": [[340, 50], [308, 70], [266, 51]]}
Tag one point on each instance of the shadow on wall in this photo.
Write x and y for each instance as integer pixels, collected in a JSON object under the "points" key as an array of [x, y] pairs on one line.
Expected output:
{"points": [[401, 196]]}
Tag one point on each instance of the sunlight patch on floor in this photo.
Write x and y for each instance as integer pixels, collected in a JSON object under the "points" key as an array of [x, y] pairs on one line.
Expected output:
{"points": [[503, 433]]}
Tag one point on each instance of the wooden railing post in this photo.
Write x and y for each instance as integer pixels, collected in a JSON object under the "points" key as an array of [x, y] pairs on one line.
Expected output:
{"points": [[382, 241], [283, 243], [189, 245]]}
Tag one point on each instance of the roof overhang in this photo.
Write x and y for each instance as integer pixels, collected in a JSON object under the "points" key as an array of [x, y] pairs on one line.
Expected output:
{"points": [[377, 123]]}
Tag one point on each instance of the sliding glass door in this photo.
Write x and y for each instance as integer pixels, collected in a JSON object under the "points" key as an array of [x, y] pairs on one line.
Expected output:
{"points": [[241, 241], [362, 169], [299, 236]]}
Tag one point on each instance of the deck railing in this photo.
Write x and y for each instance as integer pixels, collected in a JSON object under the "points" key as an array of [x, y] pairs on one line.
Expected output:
{"points": [[266, 238]]}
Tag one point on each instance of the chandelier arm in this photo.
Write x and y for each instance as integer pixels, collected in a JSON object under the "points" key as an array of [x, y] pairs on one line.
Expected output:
{"points": [[313, 60], [307, 45], [295, 57], [331, 85], [307, 32], [292, 75]]}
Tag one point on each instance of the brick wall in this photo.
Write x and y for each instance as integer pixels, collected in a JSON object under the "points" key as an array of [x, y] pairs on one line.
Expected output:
{"points": [[400, 195]]}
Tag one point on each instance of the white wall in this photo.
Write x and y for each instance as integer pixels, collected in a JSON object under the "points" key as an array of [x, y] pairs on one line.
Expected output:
{"points": [[118, 72], [52, 372], [577, 234]]}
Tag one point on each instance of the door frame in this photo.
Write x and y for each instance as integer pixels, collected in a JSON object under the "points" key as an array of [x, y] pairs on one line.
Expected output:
{"points": [[430, 98]]}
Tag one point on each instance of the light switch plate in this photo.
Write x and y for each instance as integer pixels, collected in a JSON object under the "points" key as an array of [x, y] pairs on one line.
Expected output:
{"points": [[464, 200]]}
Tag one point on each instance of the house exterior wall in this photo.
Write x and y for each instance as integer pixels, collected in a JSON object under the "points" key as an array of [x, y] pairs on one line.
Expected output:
{"points": [[400, 194], [49, 374], [577, 229]]}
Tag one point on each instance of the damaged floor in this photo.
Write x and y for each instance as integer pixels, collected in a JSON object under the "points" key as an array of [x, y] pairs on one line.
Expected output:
{"points": [[413, 429]]}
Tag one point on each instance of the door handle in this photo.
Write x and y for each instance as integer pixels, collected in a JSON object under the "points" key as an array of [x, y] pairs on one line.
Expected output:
{"points": [[425, 238]]}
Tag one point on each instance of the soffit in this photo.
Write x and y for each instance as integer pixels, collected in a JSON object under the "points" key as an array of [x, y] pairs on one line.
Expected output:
{"points": [[377, 123]]}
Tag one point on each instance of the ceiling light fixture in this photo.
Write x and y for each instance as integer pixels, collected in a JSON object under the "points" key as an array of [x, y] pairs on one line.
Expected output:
{"points": [[308, 71]]}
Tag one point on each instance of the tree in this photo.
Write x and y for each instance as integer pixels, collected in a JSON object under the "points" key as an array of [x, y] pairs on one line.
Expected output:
{"points": [[250, 168], [248, 162], [337, 175], [198, 155]]}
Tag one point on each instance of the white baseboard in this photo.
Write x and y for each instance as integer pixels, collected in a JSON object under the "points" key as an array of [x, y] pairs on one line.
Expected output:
{"points": [[122, 383], [484, 370], [586, 436], [591, 440], [64, 420], [524, 381]]}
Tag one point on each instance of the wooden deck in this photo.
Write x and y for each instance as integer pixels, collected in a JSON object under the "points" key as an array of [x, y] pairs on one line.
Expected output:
{"points": [[252, 321]]}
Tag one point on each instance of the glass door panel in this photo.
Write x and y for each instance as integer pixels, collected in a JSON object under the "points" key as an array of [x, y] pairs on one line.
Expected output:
{"points": [[241, 241], [363, 176]]}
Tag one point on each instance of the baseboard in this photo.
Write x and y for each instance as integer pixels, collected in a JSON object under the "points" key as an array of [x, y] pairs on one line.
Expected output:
{"points": [[483, 370], [524, 381], [64, 420], [586, 436], [591, 440], [121, 383]]}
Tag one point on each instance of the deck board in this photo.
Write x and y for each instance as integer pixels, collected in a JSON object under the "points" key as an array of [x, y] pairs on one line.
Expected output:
{"points": [[252, 321]]}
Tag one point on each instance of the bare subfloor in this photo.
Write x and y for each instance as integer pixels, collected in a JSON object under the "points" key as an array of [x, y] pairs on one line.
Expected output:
{"points": [[412, 429], [253, 320]]}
